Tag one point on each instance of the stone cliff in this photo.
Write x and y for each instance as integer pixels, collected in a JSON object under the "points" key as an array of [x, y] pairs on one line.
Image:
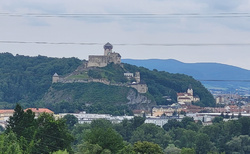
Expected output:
{"points": [[138, 101]]}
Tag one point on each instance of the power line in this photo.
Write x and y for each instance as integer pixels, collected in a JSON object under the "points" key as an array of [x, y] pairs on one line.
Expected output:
{"points": [[126, 44], [131, 15], [225, 80]]}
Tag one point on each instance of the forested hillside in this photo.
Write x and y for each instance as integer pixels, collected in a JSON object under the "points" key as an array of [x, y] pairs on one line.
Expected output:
{"points": [[89, 97], [27, 80], [161, 83]]}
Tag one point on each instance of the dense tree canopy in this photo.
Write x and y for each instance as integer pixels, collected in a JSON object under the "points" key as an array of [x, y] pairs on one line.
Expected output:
{"points": [[25, 79], [47, 135], [41, 135]]}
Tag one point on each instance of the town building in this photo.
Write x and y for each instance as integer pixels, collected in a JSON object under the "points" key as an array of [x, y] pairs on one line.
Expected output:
{"points": [[160, 121], [166, 110], [39, 111], [84, 117], [187, 97]]}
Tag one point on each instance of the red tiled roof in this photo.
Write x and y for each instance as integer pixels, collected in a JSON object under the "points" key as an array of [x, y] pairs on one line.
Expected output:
{"points": [[6, 111], [183, 94], [39, 110], [140, 111], [193, 107], [184, 98]]}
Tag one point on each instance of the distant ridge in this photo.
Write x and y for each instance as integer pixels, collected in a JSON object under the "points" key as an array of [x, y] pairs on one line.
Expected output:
{"points": [[200, 71]]}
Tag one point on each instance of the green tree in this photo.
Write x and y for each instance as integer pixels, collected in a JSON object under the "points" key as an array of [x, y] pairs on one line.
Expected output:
{"points": [[61, 152], [150, 133], [187, 151], [101, 123], [125, 128], [239, 115], [186, 121], [187, 139], [213, 131], [107, 138], [171, 149], [245, 123], [173, 123], [222, 115], [9, 144], [21, 123], [217, 119], [127, 150], [53, 134], [43, 135], [232, 116], [78, 132], [227, 116], [137, 121], [71, 120], [203, 144], [88, 148], [240, 144], [147, 148]]}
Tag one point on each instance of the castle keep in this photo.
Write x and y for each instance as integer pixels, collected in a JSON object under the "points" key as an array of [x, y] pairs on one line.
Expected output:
{"points": [[104, 60]]}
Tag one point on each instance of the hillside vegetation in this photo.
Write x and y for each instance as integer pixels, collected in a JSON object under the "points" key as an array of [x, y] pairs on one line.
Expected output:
{"points": [[89, 97], [162, 84], [27, 80]]}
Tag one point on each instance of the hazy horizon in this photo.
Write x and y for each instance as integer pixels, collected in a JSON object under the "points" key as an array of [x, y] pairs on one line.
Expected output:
{"points": [[189, 31]]}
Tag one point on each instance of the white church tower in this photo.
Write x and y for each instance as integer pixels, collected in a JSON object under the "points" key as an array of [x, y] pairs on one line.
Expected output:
{"points": [[190, 90]]}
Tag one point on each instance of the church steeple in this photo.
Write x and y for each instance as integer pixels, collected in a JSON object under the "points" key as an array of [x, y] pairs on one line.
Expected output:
{"points": [[190, 90]]}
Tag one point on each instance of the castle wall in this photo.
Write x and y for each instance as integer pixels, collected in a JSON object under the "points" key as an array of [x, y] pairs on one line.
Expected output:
{"points": [[97, 61], [141, 88], [129, 75], [115, 58]]}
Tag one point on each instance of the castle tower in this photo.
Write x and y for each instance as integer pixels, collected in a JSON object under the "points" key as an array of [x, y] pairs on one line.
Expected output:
{"points": [[55, 78], [137, 77], [190, 90], [107, 49]]}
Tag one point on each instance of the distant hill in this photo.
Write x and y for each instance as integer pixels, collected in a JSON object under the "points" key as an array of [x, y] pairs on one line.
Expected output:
{"points": [[200, 71]]}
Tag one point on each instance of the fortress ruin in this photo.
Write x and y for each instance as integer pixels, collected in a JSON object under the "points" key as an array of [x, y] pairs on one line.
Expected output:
{"points": [[104, 60]]}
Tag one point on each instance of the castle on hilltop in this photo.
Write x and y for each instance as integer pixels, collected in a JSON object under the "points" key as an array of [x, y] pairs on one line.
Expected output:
{"points": [[104, 60]]}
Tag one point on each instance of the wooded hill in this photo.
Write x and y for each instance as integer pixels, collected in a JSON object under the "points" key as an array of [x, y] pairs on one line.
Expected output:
{"points": [[28, 80]]}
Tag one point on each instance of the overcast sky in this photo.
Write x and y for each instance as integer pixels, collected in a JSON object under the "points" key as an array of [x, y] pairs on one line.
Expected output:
{"points": [[157, 29]]}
